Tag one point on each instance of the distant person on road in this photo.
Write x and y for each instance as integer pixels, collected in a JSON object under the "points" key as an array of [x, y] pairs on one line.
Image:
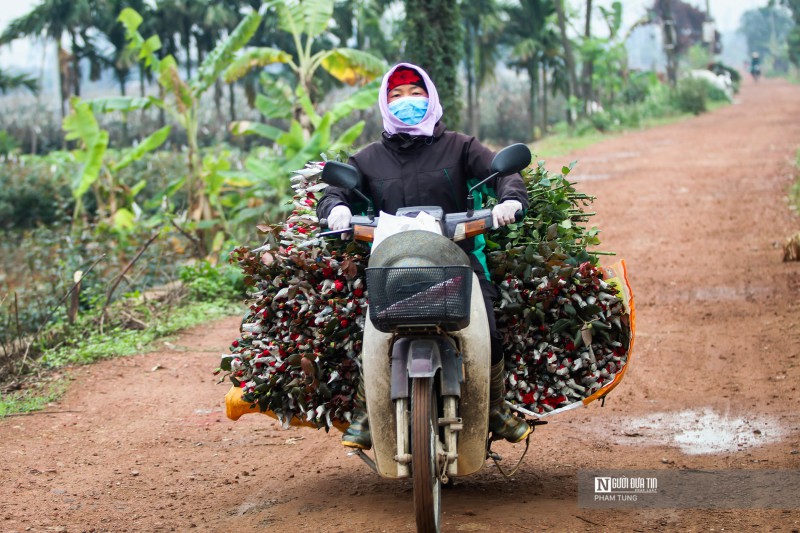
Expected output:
{"points": [[755, 66]]}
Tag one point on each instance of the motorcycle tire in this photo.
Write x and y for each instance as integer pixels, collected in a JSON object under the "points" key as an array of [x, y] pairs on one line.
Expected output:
{"points": [[426, 482]]}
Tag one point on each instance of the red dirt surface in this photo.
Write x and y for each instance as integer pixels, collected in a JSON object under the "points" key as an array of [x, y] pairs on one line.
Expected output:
{"points": [[699, 211]]}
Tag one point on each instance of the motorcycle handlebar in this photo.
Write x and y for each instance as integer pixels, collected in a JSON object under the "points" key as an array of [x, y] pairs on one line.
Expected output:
{"points": [[456, 226]]}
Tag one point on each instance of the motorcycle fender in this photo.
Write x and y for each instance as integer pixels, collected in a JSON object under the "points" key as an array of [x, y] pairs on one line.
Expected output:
{"points": [[474, 403], [408, 360], [473, 406]]}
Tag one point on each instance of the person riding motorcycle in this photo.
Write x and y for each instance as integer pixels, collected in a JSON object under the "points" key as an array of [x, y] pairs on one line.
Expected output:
{"points": [[418, 162], [755, 66]]}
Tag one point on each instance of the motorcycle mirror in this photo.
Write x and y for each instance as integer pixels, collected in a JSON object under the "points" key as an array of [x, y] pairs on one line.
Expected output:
{"points": [[511, 159], [341, 175], [347, 177]]}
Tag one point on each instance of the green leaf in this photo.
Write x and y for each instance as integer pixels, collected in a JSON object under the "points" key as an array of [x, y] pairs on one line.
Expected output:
{"points": [[148, 51], [212, 166], [124, 104], [237, 179], [92, 165], [317, 144], [261, 168], [136, 189], [273, 106], [352, 66], [309, 17], [565, 170], [364, 98], [131, 19], [254, 58], [148, 144], [222, 55], [560, 325], [245, 127], [81, 123], [348, 138], [292, 140], [124, 219]]}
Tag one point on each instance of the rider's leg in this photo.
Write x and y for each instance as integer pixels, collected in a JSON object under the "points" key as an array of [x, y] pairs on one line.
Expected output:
{"points": [[357, 434], [502, 421]]}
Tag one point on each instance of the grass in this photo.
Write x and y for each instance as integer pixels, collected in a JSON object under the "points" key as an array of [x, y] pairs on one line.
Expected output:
{"points": [[794, 192], [34, 398], [562, 142], [116, 342]]}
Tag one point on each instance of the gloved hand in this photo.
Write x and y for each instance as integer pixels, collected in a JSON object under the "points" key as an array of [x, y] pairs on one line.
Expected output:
{"points": [[339, 217], [503, 213]]}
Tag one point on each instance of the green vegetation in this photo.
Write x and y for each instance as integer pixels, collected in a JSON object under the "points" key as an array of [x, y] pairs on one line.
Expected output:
{"points": [[435, 44], [86, 344]]}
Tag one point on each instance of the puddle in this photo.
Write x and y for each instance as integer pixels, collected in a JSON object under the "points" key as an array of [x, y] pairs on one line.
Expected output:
{"points": [[701, 431]]}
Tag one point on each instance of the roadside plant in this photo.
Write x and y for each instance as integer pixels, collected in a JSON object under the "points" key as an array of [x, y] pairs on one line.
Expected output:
{"points": [[180, 99]]}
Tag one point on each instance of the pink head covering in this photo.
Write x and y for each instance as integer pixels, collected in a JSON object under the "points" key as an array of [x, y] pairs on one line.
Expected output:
{"points": [[392, 124]]}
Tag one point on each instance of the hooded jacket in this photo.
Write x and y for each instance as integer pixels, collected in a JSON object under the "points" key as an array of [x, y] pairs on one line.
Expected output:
{"points": [[407, 169]]}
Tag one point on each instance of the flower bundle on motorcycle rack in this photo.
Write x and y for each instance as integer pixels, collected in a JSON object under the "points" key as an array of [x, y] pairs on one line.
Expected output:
{"points": [[567, 331]]}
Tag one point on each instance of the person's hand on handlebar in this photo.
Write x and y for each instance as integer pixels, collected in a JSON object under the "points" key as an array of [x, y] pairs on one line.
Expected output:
{"points": [[505, 213], [340, 217]]}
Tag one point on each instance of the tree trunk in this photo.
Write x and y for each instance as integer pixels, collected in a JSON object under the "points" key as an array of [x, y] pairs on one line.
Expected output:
{"points": [[64, 82], [188, 48], [533, 71], [588, 67], [669, 42], [477, 116], [76, 67], [569, 59], [63, 78], [218, 108], [544, 100], [468, 64]]}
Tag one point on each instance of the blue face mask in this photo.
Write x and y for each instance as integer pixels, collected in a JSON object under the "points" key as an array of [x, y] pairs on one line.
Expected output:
{"points": [[410, 109]]}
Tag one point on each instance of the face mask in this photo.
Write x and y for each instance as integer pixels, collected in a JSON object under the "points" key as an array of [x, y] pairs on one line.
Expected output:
{"points": [[410, 109]]}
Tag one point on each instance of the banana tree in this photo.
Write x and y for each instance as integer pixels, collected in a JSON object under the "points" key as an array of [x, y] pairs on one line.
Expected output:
{"points": [[115, 201], [182, 100], [306, 21]]}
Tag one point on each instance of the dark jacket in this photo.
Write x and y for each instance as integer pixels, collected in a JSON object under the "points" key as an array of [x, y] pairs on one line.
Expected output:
{"points": [[401, 171]]}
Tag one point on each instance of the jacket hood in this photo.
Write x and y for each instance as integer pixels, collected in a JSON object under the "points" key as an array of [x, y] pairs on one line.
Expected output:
{"points": [[392, 124]]}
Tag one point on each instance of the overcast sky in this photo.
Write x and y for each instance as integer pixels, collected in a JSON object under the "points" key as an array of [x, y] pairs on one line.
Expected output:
{"points": [[28, 55]]}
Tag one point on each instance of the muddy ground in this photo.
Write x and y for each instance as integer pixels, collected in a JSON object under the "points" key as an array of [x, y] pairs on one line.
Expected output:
{"points": [[699, 211]]}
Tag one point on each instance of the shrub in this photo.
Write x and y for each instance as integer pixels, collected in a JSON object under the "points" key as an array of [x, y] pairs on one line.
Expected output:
{"points": [[691, 96], [35, 191], [207, 282]]}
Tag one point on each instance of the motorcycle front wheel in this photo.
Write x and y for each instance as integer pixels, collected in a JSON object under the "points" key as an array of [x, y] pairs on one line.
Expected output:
{"points": [[426, 481]]}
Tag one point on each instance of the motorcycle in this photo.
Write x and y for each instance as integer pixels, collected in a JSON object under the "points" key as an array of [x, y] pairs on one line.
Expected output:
{"points": [[426, 350]]}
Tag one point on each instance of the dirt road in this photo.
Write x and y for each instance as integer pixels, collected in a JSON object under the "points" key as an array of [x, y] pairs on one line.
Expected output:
{"points": [[698, 210]]}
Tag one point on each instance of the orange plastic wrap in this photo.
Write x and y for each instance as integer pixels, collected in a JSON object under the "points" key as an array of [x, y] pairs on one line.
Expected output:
{"points": [[235, 407]]}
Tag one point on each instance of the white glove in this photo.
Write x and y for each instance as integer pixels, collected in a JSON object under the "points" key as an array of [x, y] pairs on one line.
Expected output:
{"points": [[503, 214], [339, 217]]}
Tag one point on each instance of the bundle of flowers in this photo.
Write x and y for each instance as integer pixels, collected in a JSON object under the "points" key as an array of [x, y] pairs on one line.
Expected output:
{"points": [[566, 330], [298, 353]]}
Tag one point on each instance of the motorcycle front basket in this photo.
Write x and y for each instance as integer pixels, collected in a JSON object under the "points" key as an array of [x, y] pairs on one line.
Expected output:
{"points": [[414, 296]]}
